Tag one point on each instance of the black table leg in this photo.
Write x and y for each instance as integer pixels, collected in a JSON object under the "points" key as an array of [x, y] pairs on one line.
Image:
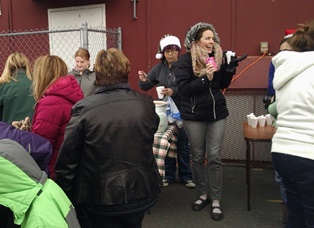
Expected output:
{"points": [[248, 174]]}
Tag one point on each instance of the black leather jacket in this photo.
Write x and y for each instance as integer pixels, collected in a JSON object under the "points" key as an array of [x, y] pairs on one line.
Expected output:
{"points": [[107, 159]]}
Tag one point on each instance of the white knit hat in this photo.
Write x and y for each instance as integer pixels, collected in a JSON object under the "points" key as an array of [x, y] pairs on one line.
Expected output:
{"points": [[164, 42]]}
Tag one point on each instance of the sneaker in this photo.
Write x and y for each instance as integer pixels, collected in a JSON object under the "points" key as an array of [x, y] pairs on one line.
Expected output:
{"points": [[189, 184], [165, 183]]}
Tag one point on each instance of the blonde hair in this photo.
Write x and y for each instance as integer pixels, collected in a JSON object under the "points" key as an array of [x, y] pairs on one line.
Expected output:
{"points": [[47, 69], [111, 67], [14, 62]]}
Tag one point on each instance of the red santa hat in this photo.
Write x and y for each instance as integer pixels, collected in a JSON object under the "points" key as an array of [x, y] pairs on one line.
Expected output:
{"points": [[289, 32]]}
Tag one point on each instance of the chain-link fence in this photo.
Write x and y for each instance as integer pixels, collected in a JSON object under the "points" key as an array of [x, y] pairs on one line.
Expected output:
{"points": [[63, 42]]}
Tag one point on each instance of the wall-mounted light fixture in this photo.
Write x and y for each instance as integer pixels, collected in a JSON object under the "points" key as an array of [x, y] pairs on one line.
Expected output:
{"points": [[134, 9]]}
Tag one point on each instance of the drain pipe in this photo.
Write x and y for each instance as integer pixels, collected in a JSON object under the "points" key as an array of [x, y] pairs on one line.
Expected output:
{"points": [[134, 9]]}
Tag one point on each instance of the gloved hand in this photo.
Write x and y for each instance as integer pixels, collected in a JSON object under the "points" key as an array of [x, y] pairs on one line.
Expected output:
{"points": [[231, 67], [24, 125]]}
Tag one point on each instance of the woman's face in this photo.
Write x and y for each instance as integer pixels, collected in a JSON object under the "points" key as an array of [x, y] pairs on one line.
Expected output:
{"points": [[171, 54], [81, 63], [207, 41]]}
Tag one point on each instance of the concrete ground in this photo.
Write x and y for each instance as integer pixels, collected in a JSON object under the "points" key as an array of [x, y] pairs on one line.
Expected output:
{"points": [[173, 208]]}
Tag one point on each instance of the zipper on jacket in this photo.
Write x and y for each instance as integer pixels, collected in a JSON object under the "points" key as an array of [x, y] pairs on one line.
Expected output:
{"points": [[193, 103], [214, 103]]}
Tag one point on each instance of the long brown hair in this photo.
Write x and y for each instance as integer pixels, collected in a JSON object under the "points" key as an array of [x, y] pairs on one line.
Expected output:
{"points": [[47, 69]]}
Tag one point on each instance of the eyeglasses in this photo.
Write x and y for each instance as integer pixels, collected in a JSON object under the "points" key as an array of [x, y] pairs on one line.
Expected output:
{"points": [[171, 49], [168, 51]]}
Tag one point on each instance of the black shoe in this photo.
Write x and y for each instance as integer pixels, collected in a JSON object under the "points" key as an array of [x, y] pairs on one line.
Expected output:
{"points": [[198, 207], [216, 216]]}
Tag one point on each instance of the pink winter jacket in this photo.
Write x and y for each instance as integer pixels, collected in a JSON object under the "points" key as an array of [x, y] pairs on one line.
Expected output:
{"points": [[53, 112]]}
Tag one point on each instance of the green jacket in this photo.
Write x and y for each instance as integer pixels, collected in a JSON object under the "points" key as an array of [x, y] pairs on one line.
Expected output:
{"points": [[16, 100], [35, 200]]}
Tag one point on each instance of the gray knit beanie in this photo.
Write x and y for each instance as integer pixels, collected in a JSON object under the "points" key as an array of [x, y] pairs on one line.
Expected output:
{"points": [[191, 34]]}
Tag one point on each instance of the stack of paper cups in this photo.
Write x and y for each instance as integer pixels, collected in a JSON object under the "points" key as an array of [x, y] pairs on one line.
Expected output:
{"points": [[261, 121], [269, 119], [254, 121], [249, 119]]}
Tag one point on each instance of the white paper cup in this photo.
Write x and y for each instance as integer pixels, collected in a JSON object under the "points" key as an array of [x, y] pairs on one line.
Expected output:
{"points": [[254, 121], [159, 90], [269, 119], [249, 119], [261, 121]]}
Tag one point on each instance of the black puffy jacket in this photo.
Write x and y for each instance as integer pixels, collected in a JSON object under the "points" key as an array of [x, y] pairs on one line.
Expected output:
{"points": [[201, 99], [107, 157]]}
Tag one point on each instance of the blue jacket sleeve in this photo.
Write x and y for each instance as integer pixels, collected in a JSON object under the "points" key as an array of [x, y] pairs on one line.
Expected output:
{"points": [[270, 88]]}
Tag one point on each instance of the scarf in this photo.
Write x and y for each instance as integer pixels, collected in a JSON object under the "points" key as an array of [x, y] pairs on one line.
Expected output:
{"points": [[199, 56]]}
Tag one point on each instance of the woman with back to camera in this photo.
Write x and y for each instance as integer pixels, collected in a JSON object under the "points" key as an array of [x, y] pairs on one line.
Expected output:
{"points": [[16, 100], [204, 110], [106, 164], [84, 76], [55, 93], [162, 74], [292, 145]]}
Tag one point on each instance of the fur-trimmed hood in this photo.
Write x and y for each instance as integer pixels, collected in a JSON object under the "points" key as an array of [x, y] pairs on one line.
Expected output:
{"points": [[190, 36]]}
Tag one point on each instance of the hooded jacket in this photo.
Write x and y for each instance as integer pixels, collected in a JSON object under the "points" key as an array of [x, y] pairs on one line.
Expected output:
{"points": [[53, 112], [294, 85], [201, 99], [35, 200], [107, 158], [38, 147]]}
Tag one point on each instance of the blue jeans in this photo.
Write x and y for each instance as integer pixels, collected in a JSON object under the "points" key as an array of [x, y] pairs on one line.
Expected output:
{"points": [[183, 154], [297, 175], [206, 139], [282, 189]]}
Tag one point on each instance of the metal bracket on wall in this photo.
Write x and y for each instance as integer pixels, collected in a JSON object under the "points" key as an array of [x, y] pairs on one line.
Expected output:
{"points": [[134, 9]]}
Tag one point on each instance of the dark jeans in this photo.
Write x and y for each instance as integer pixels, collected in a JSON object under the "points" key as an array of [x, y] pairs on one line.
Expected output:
{"points": [[298, 179], [183, 154], [92, 219]]}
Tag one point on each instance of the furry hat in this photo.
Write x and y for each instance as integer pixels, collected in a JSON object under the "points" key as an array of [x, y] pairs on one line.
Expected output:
{"points": [[164, 42], [191, 34]]}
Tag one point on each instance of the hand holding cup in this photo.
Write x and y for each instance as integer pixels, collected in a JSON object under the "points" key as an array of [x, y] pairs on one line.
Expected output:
{"points": [[160, 92]]}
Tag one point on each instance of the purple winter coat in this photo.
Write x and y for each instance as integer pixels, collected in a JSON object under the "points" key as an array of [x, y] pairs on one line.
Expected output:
{"points": [[38, 147]]}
